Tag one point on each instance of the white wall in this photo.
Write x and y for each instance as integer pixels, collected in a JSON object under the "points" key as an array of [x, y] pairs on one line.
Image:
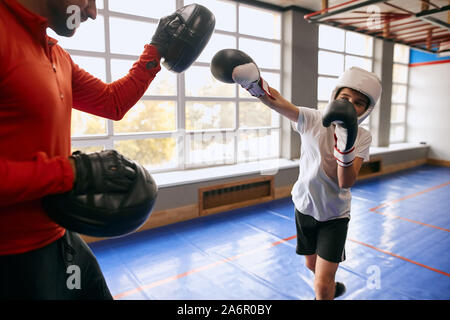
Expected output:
{"points": [[428, 115]]}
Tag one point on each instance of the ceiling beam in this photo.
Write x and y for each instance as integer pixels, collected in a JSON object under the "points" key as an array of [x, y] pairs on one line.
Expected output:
{"points": [[317, 16]]}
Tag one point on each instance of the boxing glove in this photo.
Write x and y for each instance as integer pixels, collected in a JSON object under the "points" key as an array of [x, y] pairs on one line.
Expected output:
{"points": [[181, 37], [112, 196], [235, 66], [343, 114], [167, 26], [105, 171]]}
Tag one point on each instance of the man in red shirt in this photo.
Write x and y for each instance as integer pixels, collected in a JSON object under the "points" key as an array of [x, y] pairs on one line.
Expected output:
{"points": [[39, 86]]}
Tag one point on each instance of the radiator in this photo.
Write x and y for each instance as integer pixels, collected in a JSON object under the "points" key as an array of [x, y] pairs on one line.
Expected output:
{"points": [[233, 195]]}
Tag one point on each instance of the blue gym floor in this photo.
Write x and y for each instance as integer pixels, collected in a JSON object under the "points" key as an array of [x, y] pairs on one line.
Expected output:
{"points": [[397, 248]]}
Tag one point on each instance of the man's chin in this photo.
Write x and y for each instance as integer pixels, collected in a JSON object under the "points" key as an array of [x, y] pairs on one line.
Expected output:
{"points": [[64, 32]]}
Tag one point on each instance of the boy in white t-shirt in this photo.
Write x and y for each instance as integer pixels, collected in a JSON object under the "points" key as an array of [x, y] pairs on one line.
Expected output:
{"points": [[330, 160], [328, 169], [332, 151]]}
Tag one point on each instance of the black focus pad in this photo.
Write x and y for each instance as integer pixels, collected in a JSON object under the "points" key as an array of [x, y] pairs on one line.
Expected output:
{"points": [[194, 27], [224, 61], [106, 171], [108, 213], [343, 112]]}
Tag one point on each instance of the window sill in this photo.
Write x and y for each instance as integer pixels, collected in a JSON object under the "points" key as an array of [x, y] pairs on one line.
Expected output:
{"points": [[264, 167], [394, 147]]}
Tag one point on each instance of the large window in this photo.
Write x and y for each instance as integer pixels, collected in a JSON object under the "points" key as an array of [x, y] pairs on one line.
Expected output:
{"points": [[187, 120], [338, 51], [399, 93]]}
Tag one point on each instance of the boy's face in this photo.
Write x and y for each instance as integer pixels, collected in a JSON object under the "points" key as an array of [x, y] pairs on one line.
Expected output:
{"points": [[359, 100]]}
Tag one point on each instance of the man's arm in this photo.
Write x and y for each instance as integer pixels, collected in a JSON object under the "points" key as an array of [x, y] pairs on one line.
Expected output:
{"points": [[347, 175], [23, 181], [113, 100]]}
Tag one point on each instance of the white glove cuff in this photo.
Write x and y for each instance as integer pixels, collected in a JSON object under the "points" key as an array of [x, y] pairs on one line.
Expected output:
{"points": [[260, 88], [344, 158], [245, 74]]}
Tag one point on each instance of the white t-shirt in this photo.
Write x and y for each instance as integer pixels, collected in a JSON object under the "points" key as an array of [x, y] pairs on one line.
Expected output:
{"points": [[317, 192]]}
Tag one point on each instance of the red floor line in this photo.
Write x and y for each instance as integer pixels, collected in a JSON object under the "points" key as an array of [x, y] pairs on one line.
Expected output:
{"points": [[222, 261], [219, 262], [400, 257], [205, 267], [388, 203], [410, 220], [385, 204]]}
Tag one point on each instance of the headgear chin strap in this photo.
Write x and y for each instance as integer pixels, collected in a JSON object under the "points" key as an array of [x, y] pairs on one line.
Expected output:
{"points": [[362, 81]]}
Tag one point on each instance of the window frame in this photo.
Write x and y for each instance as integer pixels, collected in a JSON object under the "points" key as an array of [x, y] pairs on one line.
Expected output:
{"points": [[345, 54], [180, 134], [403, 124]]}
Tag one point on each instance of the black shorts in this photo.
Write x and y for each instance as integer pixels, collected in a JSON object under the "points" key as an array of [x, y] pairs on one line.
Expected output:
{"points": [[326, 238], [63, 270]]}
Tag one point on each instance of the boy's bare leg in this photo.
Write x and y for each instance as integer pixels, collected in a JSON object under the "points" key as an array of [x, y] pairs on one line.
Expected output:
{"points": [[310, 262], [324, 284]]}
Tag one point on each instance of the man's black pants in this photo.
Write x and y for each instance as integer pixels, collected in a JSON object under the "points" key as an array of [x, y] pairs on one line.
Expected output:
{"points": [[63, 270]]}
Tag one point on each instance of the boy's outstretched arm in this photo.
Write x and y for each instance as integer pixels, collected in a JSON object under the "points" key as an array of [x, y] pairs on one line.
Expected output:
{"points": [[235, 66], [280, 104]]}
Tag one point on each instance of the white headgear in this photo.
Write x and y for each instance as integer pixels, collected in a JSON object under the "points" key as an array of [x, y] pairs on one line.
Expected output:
{"points": [[362, 81]]}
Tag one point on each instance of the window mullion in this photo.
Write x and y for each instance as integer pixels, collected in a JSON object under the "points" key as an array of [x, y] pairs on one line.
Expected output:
{"points": [[110, 138], [109, 123]]}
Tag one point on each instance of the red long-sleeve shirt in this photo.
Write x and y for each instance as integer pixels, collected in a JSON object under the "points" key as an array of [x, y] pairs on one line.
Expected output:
{"points": [[39, 86]]}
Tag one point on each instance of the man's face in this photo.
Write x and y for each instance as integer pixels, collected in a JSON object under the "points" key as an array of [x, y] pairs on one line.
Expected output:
{"points": [[359, 100], [65, 15]]}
